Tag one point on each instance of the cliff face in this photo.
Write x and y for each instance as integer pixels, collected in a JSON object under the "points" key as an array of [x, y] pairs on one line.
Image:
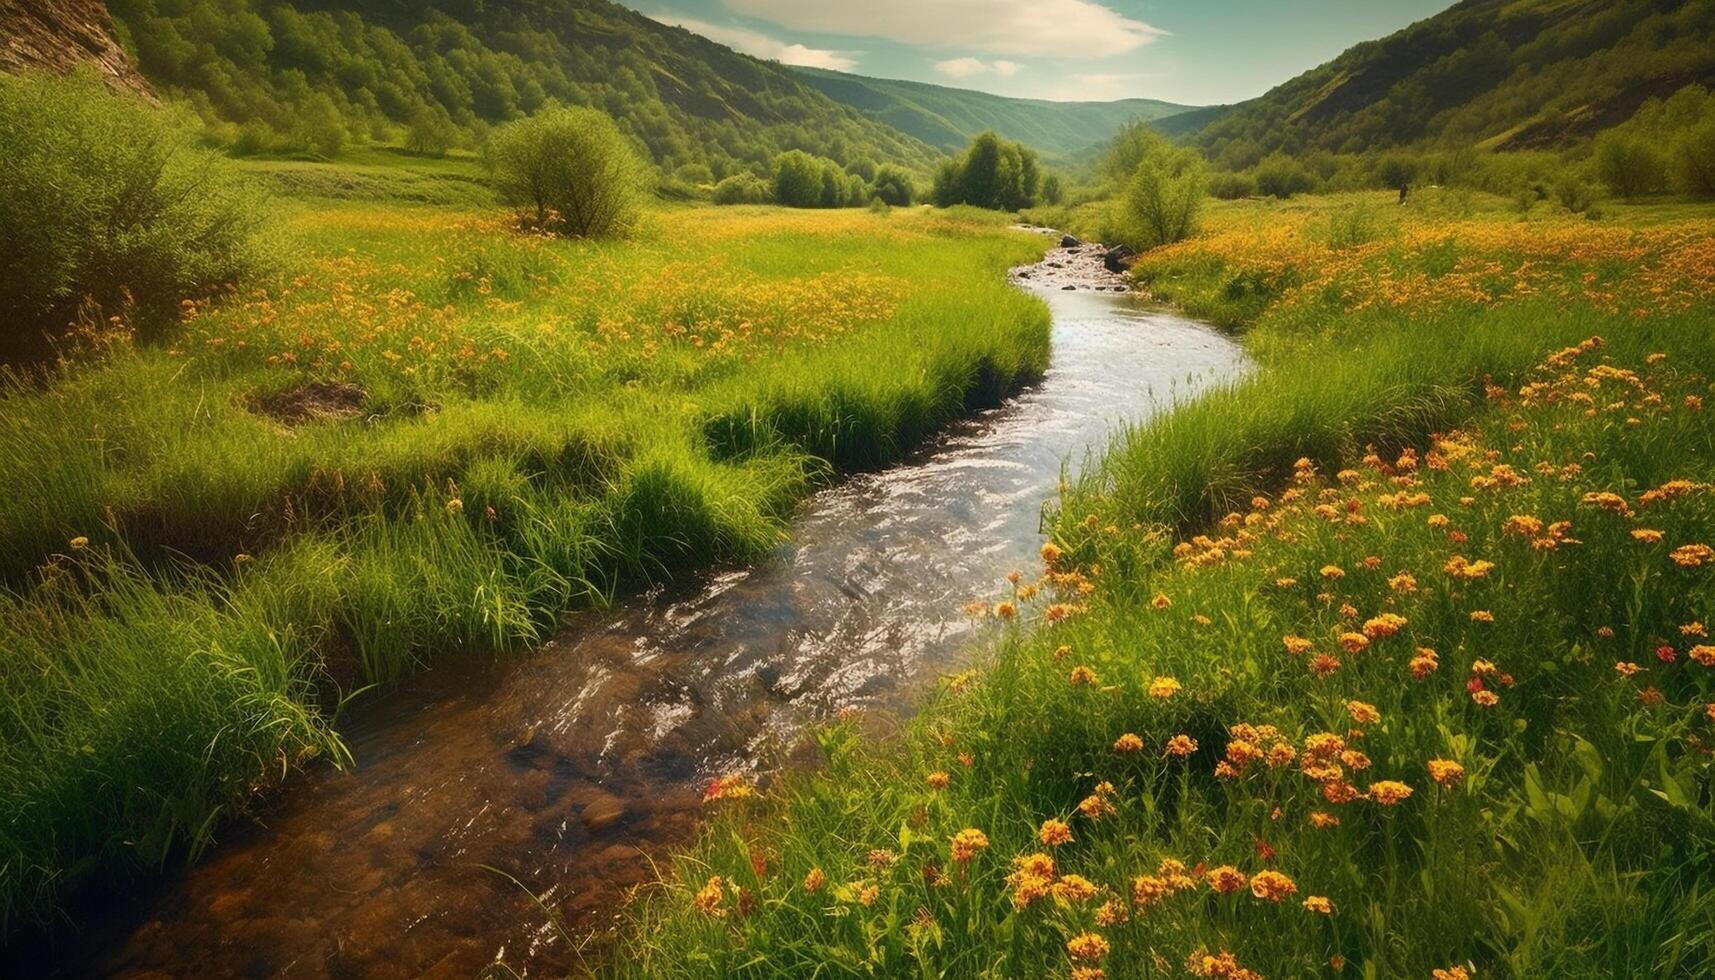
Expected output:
{"points": [[60, 35]]}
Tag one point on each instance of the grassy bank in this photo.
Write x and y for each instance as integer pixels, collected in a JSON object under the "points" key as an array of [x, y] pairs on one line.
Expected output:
{"points": [[426, 437], [1389, 660]]}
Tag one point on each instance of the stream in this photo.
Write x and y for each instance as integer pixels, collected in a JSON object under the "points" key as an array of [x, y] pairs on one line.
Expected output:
{"points": [[570, 769]]}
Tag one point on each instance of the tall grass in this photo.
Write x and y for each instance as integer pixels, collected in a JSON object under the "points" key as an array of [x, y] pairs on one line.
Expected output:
{"points": [[525, 425], [1323, 579]]}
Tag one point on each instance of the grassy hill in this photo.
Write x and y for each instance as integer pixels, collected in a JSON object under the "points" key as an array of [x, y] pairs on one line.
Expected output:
{"points": [[1506, 74], [947, 118], [321, 75]]}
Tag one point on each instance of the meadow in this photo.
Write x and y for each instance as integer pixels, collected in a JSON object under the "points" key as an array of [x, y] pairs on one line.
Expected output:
{"points": [[426, 434], [1391, 659]]}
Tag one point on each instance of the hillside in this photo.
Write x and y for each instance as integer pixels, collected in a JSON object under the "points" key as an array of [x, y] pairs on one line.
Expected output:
{"points": [[1507, 74], [318, 75], [947, 118], [61, 35]]}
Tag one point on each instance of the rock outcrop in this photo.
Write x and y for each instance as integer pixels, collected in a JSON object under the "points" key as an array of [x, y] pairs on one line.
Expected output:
{"points": [[62, 35]]}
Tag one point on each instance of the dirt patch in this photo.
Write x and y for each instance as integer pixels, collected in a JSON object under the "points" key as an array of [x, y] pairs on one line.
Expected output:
{"points": [[317, 401]]}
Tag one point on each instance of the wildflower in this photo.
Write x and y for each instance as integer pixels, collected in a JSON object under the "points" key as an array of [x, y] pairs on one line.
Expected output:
{"points": [[1219, 966], [1128, 743], [1087, 946], [1464, 569], [710, 899], [1160, 602], [1054, 832], [1651, 697], [1226, 879], [1383, 626], [881, 858], [1097, 805], [1692, 555], [1363, 713], [1322, 820], [1389, 792], [1703, 653], [1082, 676], [1296, 645], [1112, 913], [79, 543], [1087, 973], [1354, 642], [1404, 583], [1666, 654], [868, 895], [455, 506], [1181, 745], [1163, 688], [1332, 572], [1482, 616], [1075, 888], [1318, 904], [1485, 699], [1446, 772], [938, 779], [814, 880], [730, 787], [1272, 886], [1005, 610], [1451, 973], [1626, 668], [1051, 554], [1423, 663], [1323, 665], [967, 844]]}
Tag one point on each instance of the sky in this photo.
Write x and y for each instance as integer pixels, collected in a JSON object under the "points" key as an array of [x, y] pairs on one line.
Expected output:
{"points": [[1194, 52]]}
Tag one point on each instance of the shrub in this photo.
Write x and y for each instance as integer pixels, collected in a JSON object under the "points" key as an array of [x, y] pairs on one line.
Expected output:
{"points": [[570, 170], [1629, 165], [742, 188], [805, 181], [893, 186], [1164, 197], [107, 200], [1573, 192], [1397, 172], [1281, 176], [1052, 191], [1229, 186], [1691, 161], [994, 173]]}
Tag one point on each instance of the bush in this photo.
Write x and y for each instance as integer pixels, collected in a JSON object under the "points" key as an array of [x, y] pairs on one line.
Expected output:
{"points": [[893, 186], [1281, 176], [1229, 186], [1573, 192], [1164, 197], [805, 181], [570, 170], [1629, 166], [1397, 172], [105, 200], [1691, 162], [994, 173], [742, 188]]}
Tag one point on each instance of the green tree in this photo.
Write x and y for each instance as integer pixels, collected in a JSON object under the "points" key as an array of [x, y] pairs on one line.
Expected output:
{"points": [[893, 185], [1691, 161], [1164, 197], [1281, 176], [571, 170], [1397, 172], [1629, 165]]}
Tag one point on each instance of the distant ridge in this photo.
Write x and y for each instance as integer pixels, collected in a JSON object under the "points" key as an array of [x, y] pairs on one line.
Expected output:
{"points": [[946, 118]]}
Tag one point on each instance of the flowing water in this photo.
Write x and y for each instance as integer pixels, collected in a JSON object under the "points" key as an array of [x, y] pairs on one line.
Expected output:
{"points": [[571, 768]]}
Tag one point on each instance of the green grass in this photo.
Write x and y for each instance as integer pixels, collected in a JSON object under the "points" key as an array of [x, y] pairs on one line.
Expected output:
{"points": [[1577, 842], [196, 578]]}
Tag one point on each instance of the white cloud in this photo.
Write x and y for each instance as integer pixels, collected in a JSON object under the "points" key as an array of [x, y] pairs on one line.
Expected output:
{"points": [[961, 67], [966, 67], [762, 46], [1067, 28]]}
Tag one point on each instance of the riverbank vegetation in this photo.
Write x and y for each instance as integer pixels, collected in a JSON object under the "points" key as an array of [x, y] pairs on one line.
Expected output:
{"points": [[421, 433], [1389, 660]]}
